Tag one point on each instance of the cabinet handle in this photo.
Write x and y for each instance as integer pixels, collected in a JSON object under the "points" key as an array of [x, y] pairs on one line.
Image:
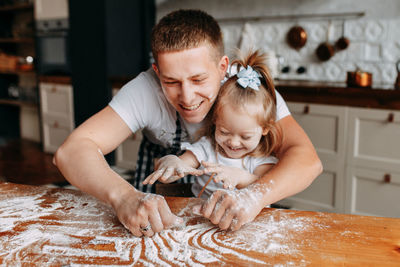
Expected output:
{"points": [[55, 124], [54, 89], [387, 178], [390, 117], [306, 109]]}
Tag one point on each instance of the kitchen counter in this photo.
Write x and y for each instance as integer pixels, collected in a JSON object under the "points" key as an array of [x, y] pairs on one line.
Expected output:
{"points": [[339, 94], [42, 226], [55, 79]]}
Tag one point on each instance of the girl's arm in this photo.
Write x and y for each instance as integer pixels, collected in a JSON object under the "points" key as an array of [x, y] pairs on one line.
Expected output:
{"points": [[170, 168], [235, 177], [258, 172]]}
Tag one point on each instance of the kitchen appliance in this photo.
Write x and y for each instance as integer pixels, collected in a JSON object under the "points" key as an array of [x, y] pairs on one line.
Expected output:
{"points": [[359, 78], [52, 38]]}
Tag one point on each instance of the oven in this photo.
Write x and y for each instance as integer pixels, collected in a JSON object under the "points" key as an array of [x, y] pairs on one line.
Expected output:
{"points": [[52, 37], [52, 51]]}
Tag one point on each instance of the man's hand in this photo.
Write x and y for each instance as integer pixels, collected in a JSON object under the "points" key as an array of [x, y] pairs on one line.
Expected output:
{"points": [[139, 211], [231, 177], [233, 209], [170, 168]]}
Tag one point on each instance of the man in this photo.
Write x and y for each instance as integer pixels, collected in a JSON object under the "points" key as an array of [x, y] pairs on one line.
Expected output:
{"points": [[169, 102]]}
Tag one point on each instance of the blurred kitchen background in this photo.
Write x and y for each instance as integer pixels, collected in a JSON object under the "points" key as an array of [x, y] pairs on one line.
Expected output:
{"points": [[335, 62]]}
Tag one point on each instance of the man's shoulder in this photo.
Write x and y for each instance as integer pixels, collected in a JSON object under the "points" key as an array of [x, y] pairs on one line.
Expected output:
{"points": [[146, 81]]}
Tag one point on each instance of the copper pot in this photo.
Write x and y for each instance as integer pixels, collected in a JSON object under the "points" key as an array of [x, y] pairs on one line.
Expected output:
{"points": [[296, 37], [359, 79], [325, 51], [343, 42]]}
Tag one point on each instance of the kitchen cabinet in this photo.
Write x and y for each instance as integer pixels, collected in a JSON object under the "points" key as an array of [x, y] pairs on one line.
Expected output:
{"points": [[360, 152], [57, 114], [326, 127], [373, 162], [18, 79], [127, 152]]}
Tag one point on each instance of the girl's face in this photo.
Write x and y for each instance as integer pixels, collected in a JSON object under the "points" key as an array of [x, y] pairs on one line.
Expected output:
{"points": [[236, 132]]}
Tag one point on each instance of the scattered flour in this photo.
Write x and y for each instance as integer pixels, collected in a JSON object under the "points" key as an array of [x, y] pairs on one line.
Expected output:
{"points": [[75, 229]]}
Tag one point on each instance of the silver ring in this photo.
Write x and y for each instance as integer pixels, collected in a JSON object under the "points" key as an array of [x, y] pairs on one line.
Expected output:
{"points": [[145, 229]]}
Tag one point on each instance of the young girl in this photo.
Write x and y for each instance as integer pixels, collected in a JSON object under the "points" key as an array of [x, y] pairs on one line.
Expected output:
{"points": [[239, 136]]}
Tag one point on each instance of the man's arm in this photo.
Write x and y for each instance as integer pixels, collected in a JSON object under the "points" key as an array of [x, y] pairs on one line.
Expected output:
{"points": [[298, 166], [80, 159]]}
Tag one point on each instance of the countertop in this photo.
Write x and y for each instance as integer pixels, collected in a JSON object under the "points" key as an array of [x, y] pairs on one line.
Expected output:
{"points": [[334, 93], [45, 226], [379, 96]]}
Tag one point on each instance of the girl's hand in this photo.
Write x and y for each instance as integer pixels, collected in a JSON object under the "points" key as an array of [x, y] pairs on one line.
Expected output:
{"points": [[170, 168], [232, 209], [231, 177]]}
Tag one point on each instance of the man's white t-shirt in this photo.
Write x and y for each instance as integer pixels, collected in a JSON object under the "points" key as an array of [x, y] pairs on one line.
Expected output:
{"points": [[204, 151], [142, 104]]}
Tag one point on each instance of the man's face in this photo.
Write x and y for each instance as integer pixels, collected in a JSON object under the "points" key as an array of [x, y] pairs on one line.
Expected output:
{"points": [[190, 80]]}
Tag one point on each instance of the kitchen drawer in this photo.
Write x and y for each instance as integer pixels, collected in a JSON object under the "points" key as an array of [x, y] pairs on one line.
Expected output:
{"points": [[326, 193], [56, 105], [325, 126], [56, 99], [373, 192], [127, 152], [374, 138], [54, 133]]}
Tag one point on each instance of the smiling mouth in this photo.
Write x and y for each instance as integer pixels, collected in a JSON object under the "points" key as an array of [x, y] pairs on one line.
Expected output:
{"points": [[235, 149], [193, 107]]}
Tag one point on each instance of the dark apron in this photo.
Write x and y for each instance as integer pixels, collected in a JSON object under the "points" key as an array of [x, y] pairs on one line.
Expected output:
{"points": [[149, 151]]}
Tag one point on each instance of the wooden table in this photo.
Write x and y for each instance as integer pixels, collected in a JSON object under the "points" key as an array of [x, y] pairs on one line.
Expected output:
{"points": [[40, 226]]}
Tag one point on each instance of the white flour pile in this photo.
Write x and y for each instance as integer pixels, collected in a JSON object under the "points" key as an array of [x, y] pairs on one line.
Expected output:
{"points": [[75, 229]]}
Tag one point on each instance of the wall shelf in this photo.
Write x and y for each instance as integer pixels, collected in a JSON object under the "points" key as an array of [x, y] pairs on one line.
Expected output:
{"points": [[16, 40], [15, 7], [18, 103], [322, 16], [16, 72]]}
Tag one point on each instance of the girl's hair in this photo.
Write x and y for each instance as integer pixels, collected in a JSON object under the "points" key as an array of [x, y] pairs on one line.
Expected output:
{"points": [[231, 93]]}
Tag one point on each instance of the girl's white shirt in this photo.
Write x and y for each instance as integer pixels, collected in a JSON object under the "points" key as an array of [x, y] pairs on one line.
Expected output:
{"points": [[204, 151]]}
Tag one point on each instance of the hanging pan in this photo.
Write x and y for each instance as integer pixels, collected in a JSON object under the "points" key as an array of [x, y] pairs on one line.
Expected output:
{"points": [[296, 37]]}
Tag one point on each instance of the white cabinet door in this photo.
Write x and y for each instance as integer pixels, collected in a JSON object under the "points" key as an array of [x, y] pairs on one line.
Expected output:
{"points": [[373, 166], [373, 192], [56, 105], [127, 152], [375, 138], [326, 127]]}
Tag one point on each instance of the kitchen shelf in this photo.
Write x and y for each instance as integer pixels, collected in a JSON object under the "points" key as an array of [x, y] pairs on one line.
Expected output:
{"points": [[18, 103], [339, 94], [17, 72], [16, 40], [311, 16], [16, 7]]}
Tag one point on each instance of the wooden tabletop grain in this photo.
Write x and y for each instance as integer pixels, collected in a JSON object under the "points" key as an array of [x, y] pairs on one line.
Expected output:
{"points": [[42, 226]]}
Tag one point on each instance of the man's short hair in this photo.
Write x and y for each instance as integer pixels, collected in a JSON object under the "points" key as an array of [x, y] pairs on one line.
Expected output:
{"points": [[186, 29]]}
